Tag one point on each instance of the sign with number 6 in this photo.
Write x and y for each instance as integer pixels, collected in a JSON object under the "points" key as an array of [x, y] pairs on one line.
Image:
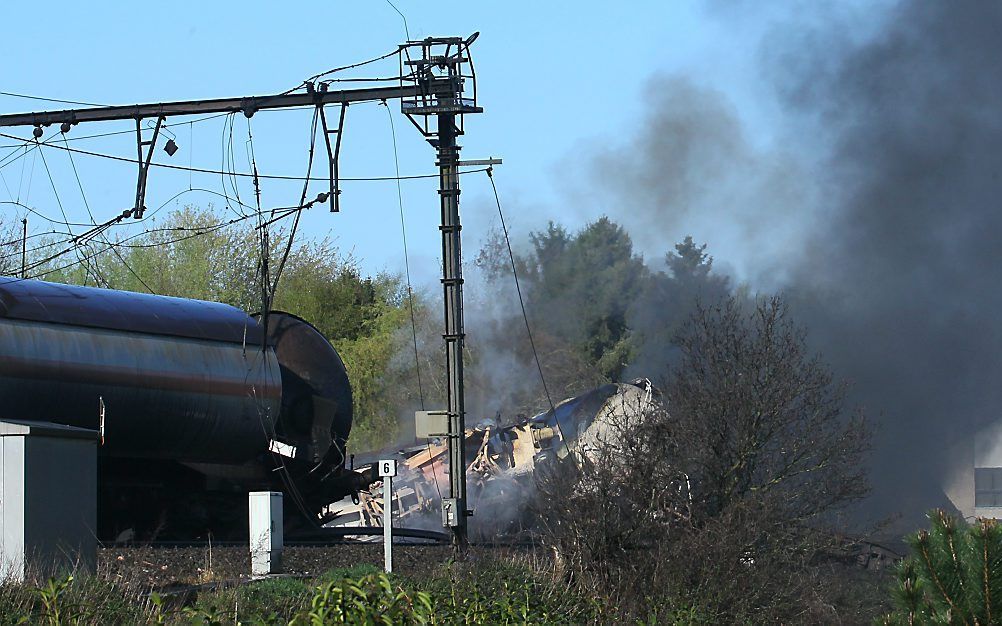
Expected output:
{"points": [[387, 468]]}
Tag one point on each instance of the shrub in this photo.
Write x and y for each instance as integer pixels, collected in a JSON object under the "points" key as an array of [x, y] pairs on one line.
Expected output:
{"points": [[718, 499]]}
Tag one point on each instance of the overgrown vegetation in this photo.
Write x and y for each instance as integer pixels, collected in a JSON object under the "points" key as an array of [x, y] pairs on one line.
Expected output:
{"points": [[491, 593], [723, 497]]}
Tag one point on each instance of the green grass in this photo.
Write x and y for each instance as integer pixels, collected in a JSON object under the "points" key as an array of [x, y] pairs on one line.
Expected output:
{"points": [[492, 592]]}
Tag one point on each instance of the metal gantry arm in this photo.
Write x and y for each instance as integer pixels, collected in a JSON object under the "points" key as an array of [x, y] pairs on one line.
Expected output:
{"points": [[247, 105], [144, 166], [333, 154]]}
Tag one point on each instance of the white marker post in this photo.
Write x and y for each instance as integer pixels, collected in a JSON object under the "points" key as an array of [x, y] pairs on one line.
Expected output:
{"points": [[387, 470]]}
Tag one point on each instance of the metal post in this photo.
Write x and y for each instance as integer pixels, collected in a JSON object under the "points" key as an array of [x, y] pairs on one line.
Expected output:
{"points": [[387, 469], [452, 287], [24, 247], [388, 524]]}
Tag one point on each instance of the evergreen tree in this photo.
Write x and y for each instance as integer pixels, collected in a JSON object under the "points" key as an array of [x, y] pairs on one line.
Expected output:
{"points": [[953, 576], [667, 299], [581, 290], [689, 263]]}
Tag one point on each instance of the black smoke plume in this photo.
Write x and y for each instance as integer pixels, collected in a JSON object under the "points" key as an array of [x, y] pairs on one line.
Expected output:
{"points": [[901, 288], [880, 218]]}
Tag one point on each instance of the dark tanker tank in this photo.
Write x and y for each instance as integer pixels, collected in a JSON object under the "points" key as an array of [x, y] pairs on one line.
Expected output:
{"points": [[197, 404]]}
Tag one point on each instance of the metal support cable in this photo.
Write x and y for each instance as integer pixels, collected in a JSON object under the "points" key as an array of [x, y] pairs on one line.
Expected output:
{"points": [[66, 221], [302, 201], [521, 301]]}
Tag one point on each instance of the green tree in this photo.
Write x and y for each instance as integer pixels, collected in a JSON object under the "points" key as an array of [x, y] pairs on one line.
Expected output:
{"points": [[689, 263], [581, 290], [666, 300], [953, 575]]}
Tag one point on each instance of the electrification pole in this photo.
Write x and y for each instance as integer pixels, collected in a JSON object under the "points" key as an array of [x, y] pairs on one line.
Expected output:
{"points": [[434, 73], [452, 295], [440, 71]]}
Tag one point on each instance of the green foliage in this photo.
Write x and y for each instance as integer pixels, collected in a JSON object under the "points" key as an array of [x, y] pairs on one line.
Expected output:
{"points": [[484, 592], [372, 599], [953, 575], [491, 593], [357, 570], [367, 358], [54, 610], [582, 286], [260, 602], [506, 593], [68, 600]]}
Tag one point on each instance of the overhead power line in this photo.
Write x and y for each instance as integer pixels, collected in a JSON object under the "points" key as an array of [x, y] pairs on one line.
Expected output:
{"points": [[44, 99], [302, 201], [201, 170], [345, 67], [93, 220], [125, 132]]}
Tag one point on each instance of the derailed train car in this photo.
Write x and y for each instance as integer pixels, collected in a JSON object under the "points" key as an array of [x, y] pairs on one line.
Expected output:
{"points": [[504, 461], [197, 404]]}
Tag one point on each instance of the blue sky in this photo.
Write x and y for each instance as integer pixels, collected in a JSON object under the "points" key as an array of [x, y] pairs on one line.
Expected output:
{"points": [[559, 81]]}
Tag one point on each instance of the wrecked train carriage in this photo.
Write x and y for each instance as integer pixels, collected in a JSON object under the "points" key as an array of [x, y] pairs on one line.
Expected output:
{"points": [[197, 403], [502, 460]]}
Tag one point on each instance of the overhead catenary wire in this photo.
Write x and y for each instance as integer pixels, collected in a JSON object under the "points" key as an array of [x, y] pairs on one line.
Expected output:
{"points": [[24, 148], [44, 99], [224, 172], [31, 175], [123, 243], [407, 263], [93, 220], [6, 186], [241, 174], [26, 237], [148, 216], [343, 68], [88, 269], [131, 131]]}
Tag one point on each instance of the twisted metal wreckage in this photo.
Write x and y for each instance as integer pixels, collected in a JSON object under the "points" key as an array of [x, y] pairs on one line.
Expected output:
{"points": [[504, 459]]}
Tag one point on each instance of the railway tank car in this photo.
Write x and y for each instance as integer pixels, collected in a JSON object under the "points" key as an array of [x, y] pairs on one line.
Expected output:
{"points": [[197, 402]]}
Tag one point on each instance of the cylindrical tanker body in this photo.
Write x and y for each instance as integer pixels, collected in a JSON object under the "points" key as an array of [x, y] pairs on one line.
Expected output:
{"points": [[196, 400], [175, 376]]}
